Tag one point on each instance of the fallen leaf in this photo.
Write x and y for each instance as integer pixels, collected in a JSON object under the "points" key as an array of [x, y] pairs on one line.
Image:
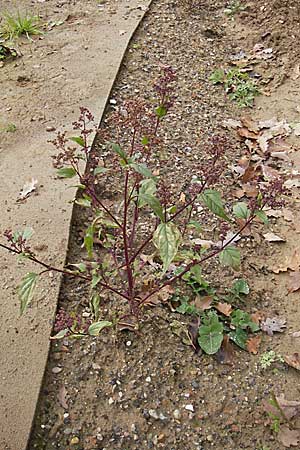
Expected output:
{"points": [[249, 123], [250, 190], [258, 316], [203, 243], [271, 237], [269, 173], [225, 354], [279, 145], [28, 188], [272, 325], [249, 174], [269, 123], [292, 262], [253, 344], [182, 198], [244, 132], [161, 296], [293, 361], [203, 303], [290, 408], [294, 282], [62, 394], [288, 437], [224, 308]]}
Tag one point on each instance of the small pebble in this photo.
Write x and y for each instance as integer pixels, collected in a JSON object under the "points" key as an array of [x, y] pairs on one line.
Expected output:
{"points": [[189, 408], [56, 370], [74, 440]]}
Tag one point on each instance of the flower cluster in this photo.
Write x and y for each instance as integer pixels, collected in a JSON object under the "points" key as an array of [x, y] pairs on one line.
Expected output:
{"points": [[74, 323]]}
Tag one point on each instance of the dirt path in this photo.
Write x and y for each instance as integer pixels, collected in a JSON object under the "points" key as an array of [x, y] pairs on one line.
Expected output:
{"points": [[148, 391], [73, 64]]}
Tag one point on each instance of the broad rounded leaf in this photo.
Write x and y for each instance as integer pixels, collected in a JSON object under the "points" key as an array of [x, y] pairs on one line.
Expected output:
{"points": [[231, 257], [210, 334], [66, 172], [97, 327], [167, 239], [239, 337], [212, 199], [241, 210], [241, 287], [26, 289]]}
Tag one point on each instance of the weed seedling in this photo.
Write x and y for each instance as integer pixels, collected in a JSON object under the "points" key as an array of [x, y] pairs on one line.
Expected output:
{"points": [[237, 84], [269, 358], [234, 7], [15, 25], [6, 52]]}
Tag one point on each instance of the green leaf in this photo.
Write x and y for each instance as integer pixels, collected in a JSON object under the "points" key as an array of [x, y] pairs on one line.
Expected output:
{"points": [[95, 305], [60, 335], [241, 210], [147, 187], [154, 204], [194, 224], [212, 199], [196, 273], [84, 201], [239, 337], [217, 76], [89, 240], [99, 170], [95, 280], [27, 233], [210, 334], [145, 140], [167, 239], [26, 289], [242, 319], [66, 172], [81, 267], [97, 327], [262, 216], [141, 169], [117, 149], [241, 287], [231, 257], [161, 111], [78, 139]]}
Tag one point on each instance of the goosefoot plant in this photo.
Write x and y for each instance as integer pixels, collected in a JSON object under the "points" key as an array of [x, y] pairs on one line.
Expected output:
{"points": [[144, 214]]}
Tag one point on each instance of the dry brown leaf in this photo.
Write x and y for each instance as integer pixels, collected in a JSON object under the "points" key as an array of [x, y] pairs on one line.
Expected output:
{"points": [[250, 190], [293, 361], [28, 188], [203, 303], [224, 308], [250, 174], [244, 132], [288, 437], [269, 173], [253, 344], [290, 408], [232, 123], [272, 237], [161, 296], [258, 316], [272, 325], [288, 215], [249, 123], [273, 212], [62, 394], [292, 262], [182, 198], [279, 145], [294, 282], [269, 123], [226, 353]]}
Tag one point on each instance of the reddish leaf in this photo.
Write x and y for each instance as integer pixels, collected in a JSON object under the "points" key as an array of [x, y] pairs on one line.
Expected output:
{"points": [[294, 282], [244, 132], [203, 303], [224, 308], [226, 353], [249, 123], [250, 174], [253, 344], [293, 361]]}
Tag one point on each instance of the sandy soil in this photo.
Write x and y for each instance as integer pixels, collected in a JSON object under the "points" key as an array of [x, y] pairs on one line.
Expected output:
{"points": [[75, 61], [136, 395]]}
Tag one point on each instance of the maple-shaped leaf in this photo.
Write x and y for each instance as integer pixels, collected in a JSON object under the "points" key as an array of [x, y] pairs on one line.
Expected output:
{"points": [[224, 308], [253, 344], [272, 325], [289, 438], [293, 360]]}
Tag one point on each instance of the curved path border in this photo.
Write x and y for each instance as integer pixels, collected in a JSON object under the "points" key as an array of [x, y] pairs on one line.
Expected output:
{"points": [[90, 57]]}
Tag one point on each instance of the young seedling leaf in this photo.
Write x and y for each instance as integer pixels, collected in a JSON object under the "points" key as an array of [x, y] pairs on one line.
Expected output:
{"points": [[26, 289], [210, 334], [117, 149], [241, 287], [231, 257], [241, 211], [78, 139], [97, 327], [161, 111], [242, 319], [167, 239], [212, 199], [66, 172]]}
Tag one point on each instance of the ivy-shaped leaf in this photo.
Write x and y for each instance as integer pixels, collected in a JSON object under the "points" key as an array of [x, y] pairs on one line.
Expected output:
{"points": [[26, 289], [212, 199], [231, 257], [210, 334], [167, 239]]}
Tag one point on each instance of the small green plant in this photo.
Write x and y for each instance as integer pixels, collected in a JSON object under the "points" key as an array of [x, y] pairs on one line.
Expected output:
{"points": [[10, 128], [234, 7], [237, 84], [238, 292], [15, 25], [269, 358], [6, 52]]}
